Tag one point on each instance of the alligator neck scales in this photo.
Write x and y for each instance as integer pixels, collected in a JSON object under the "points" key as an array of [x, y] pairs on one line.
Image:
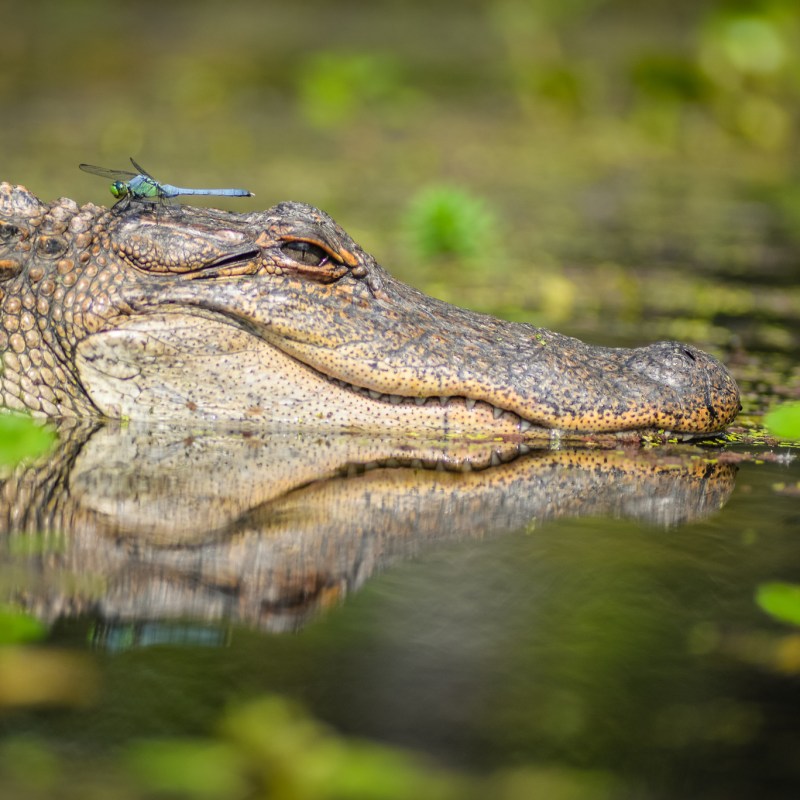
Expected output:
{"points": [[279, 317]]}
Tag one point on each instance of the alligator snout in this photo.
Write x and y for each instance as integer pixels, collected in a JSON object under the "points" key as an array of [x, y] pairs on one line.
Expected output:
{"points": [[704, 392], [673, 364]]}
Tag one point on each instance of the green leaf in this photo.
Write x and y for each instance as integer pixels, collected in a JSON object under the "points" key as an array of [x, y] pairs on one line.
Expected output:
{"points": [[784, 421], [188, 768], [16, 626], [21, 438], [780, 600]]}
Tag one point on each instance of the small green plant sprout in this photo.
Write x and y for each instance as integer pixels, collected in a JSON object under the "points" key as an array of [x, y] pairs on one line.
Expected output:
{"points": [[449, 222]]}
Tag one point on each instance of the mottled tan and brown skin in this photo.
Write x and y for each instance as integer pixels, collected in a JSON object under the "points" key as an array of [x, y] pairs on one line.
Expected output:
{"points": [[188, 313]]}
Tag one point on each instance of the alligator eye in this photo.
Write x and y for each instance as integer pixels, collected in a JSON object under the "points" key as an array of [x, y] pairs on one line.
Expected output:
{"points": [[306, 253]]}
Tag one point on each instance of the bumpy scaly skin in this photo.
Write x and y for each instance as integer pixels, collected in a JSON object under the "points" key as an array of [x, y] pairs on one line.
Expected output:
{"points": [[194, 313]]}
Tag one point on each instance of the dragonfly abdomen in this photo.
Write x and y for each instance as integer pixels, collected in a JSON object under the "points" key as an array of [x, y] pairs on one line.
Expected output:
{"points": [[168, 190]]}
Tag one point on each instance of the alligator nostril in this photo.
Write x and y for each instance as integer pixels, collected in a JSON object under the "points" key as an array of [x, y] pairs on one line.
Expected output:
{"points": [[689, 353]]}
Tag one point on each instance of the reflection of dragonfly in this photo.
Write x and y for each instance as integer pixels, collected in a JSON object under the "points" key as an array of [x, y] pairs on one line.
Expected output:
{"points": [[140, 185]]}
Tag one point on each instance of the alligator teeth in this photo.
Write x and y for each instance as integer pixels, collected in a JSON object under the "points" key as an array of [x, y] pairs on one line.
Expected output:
{"points": [[495, 459], [438, 400]]}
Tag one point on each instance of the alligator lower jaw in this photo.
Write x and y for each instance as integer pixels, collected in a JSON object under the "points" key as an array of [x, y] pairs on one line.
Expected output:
{"points": [[468, 415]]}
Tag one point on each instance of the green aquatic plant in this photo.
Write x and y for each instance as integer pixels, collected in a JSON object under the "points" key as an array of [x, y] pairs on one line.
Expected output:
{"points": [[272, 746], [784, 421], [334, 87], [446, 221], [16, 626], [780, 600], [21, 438]]}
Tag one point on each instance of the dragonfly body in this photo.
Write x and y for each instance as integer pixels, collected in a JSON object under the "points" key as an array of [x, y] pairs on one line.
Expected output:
{"points": [[140, 185]]}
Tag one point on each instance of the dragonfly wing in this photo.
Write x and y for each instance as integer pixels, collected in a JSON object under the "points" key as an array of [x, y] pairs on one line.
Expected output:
{"points": [[142, 171], [111, 174]]}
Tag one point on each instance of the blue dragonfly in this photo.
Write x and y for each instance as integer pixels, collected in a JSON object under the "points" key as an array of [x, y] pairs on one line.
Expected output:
{"points": [[142, 186]]}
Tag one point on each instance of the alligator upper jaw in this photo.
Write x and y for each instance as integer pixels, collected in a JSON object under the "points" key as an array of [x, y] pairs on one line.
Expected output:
{"points": [[398, 341], [192, 364]]}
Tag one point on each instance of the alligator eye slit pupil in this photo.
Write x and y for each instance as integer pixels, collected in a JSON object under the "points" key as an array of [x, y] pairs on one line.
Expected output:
{"points": [[306, 253], [689, 354]]}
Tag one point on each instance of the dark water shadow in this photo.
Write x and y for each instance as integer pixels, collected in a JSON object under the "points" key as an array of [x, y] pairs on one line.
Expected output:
{"points": [[267, 529]]}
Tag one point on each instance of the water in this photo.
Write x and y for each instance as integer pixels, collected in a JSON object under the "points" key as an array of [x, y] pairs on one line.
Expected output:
{"points": [[590, 612]]}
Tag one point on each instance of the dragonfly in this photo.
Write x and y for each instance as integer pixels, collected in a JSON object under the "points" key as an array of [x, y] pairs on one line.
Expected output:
{"points": [[142, 186]]}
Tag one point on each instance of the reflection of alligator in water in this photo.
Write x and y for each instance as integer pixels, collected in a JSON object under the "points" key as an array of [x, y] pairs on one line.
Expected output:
{"points": [[280, 316], [267, 529]]}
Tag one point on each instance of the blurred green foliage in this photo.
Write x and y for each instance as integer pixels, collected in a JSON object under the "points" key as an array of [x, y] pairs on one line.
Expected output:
{"points": [[17, 626], [336, 89], [270, 749], [292, 755], [22, 438], [735, 62], [445, 221], [780, 600], [784, 421], [195, 768]]}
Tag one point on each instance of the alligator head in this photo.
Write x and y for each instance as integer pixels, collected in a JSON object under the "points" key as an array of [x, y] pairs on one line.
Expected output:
{"points": [[278, 316]]}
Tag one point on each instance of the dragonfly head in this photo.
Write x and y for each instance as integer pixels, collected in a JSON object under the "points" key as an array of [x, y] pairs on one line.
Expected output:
{"points": [[119, 189]]}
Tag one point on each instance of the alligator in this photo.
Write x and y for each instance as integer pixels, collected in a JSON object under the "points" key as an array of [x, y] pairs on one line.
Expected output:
{"points": [[136, 523], [278, 317]]}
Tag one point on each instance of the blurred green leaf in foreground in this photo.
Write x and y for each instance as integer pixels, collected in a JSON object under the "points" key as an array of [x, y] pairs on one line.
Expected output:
{"points": [[21, 438], [784, 421], [780, 600]]}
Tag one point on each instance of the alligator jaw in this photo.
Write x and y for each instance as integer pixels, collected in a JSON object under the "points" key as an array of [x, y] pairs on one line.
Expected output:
{"points": [[175, 365], [192, 366]]}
